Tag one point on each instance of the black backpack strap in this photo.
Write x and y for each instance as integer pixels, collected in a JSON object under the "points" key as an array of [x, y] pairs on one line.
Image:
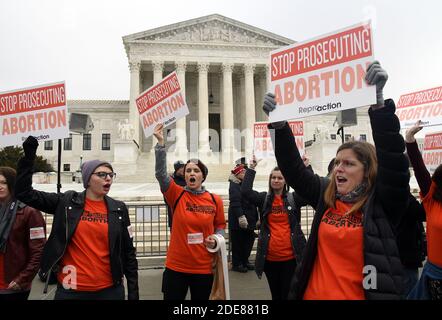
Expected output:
{"points": [[178, 199], [291, 200], [213, 199], [264, 205]]}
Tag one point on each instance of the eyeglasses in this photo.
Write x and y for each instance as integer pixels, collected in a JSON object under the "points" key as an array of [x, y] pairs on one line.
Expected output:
{"points": [[103, 175]]}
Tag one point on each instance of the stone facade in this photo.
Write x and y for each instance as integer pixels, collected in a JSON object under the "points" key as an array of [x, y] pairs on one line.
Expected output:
{"points": [[223, 66]]}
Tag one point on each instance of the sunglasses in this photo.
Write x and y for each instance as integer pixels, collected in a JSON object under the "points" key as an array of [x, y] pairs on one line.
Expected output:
{"points": [[103, 175]]}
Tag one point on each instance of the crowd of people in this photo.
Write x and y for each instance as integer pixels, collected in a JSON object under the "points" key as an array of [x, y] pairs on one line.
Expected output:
{"points": [[367, 239]]}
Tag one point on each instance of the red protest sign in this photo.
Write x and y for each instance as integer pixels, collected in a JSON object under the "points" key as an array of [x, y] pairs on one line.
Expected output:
{"points": [[39, 111], [425, 105], [161, 103], [432, 153]]}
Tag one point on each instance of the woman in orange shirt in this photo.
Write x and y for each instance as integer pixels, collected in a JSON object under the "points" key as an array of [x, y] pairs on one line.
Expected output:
{"points": [[90, 248], [430, 283], [281, 241], [351, 252], [197, 214]]}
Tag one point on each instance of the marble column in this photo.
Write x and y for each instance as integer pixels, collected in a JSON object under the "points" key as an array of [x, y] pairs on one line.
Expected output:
{"points": [[267, 71], [158, 67], [249, 70], [203, 108], [262, 84], [181, 135], [227, 125], [242, 103], [134, 117]]}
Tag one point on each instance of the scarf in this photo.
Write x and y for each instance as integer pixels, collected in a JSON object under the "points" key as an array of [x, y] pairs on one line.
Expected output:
{"points": [[7, 217], [354, 195], [203, 189]]}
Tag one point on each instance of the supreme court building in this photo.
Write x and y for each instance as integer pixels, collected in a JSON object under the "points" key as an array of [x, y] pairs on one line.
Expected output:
{"points": [[223, 67]]}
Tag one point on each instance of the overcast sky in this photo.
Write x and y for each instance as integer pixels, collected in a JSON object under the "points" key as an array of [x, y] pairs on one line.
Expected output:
{"points": [[80, 41]]}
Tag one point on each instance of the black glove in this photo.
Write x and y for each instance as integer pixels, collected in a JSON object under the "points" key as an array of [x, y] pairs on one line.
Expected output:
{"points": [[376, 75], [30, 146], [269, 106]]}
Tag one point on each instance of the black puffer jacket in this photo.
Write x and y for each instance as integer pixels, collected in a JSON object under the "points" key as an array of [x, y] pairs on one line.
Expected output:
{"points": [[258, 199], [383, 210], [238, 206], [67, 209], [411, 235]]}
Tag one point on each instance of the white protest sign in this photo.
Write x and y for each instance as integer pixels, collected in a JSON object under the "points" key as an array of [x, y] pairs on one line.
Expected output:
{"points": [[423, 105], [323, 75], [162, 103], [263, 147], [432, 154], [38, 111]]}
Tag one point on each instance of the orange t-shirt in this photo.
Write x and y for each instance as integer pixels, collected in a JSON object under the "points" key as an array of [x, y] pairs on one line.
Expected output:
{"points": [[3, 284], [195, 218], [88, 251], [433, 211], [338, 269], [280, 245]]}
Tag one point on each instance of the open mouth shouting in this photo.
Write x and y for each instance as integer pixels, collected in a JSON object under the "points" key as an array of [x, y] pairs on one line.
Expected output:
{"points": [[340, 180], [106, 187]]}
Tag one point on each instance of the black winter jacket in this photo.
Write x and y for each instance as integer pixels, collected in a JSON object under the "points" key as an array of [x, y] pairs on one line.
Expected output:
{"points": [[258, 199], [238, 206], [382, 212], [67, 209], [411, 235]]}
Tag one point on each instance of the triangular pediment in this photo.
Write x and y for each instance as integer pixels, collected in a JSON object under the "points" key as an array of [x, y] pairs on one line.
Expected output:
{"points": [[214, 29]]}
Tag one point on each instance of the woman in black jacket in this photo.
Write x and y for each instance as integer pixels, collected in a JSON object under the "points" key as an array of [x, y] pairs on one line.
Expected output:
{"points": [[90, 247], [281, 240], [242, 221], [352, 252]]}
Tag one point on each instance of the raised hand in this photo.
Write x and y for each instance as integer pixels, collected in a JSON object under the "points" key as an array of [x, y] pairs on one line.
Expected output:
{"points": [[254, 162], [376, 75], [30, 146], [409, 134], [158, 133], [269, 103]]}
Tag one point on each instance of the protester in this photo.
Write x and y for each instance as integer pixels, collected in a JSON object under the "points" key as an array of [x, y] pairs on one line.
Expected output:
{"points": [[351, 252], [197, 214], [430, 282], [22, 237], [242, 220], [281, 241], [90, 247], [178, 177]]}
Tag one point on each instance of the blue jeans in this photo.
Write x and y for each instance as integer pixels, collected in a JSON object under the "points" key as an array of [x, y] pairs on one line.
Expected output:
{"points": [[411, 276]]}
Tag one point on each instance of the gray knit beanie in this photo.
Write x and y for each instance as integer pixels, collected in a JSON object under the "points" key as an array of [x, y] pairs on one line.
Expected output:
{"points": [[88, 167]]}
